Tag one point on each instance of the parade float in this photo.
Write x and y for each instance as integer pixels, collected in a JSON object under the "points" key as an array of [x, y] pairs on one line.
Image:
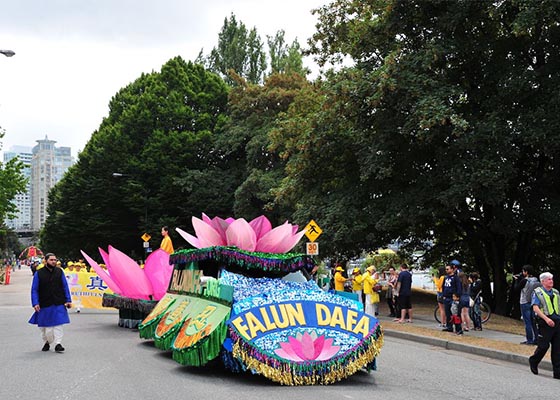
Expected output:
{"points": [[240, 297]]}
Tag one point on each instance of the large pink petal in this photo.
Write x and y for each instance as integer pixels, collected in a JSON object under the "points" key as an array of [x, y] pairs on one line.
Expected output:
{"points": [[207, 235], [102, 274], [296, 347], [289, 242], [189, 238], [132, 279], [221, 226], [307, 346], [279, 240], [241, 234], [114, 276], [158, 271], [328, 350], [261, 225], [273, 239]]}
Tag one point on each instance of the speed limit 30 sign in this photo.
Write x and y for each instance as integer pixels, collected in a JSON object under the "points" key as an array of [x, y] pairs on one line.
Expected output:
{"points": [[312, 248]]}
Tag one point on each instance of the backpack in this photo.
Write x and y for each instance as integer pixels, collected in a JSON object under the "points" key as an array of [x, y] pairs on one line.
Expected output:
{"points": [[531, 286]]}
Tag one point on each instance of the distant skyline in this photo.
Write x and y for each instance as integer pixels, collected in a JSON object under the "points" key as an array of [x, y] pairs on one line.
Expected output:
{"points": [[73, 56]]}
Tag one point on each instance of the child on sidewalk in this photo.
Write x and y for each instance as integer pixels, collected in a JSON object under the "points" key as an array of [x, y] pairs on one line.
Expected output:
{"points": [[456, 314]]}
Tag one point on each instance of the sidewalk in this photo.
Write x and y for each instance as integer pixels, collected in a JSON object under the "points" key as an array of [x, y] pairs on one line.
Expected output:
{"points": [[453, 344]]}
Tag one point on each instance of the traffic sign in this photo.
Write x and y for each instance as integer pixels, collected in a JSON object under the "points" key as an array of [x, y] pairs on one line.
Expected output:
{"points": [[145, 237], [312, 231], [312, 248]]}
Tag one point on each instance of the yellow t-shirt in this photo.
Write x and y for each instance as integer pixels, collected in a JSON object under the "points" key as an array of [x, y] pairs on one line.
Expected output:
{"points": [[167, 245], [439, 283]]}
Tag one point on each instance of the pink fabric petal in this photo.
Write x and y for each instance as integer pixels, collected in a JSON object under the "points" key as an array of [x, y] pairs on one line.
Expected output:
{"points": [[328, 350], [207, 235], [261, 225], [112, 273], [158, 271], [294, 229], [102, 274], [189, 238], [132, 279], [279, 240], [230, 220], [307, 346], [289, 242], [241, 234], [221, 226], [296, 347], [273, 239]]}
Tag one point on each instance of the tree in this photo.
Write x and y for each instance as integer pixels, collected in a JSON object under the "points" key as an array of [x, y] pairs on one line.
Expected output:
{"points": [[451, 111], [284, 58], [254, 110], [238, 50]]}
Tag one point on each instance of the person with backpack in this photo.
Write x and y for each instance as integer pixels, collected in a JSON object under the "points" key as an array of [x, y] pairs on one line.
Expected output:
{"points": [[526, 284]]}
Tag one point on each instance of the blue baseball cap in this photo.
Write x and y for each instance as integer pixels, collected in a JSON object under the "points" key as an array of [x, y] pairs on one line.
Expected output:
{"points": [[455, 262]]}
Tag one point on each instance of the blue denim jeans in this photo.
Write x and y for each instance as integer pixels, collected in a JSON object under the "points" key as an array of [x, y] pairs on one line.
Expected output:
{"points": [[527, 314]]}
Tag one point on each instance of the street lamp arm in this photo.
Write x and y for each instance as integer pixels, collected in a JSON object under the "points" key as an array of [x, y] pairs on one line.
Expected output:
{"points": [[8, 53]]}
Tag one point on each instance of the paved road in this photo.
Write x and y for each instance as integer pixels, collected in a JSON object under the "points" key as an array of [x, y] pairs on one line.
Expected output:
{"points": [[105, 361]]}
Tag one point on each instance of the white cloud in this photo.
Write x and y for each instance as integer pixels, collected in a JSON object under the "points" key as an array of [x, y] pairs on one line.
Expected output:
{"points": [[72, 56]]}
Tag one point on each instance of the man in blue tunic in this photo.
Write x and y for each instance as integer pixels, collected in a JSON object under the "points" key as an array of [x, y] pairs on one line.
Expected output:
{"points": [[50, 297]]}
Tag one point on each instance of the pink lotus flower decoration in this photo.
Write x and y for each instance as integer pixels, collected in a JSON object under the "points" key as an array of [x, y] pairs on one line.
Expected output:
{"points": [[256, 235], [307, 347], [125, 277]]}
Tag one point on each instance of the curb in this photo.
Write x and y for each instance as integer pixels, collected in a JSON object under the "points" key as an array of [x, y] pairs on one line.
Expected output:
{"points": [[465, 348]]}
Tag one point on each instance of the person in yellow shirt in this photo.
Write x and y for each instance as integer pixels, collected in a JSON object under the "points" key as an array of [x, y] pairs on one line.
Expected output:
{"points": [[166, 244], [339, 280], [357, 283], [438, 282], [370, 279]]}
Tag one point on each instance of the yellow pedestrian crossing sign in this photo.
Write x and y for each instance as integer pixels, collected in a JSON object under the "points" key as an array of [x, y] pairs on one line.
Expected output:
{"points": [[145, 237], [312, 231]]}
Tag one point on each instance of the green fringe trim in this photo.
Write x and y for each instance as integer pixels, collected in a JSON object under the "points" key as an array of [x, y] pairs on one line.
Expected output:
{"points": [[205, 350], [165, 342], [271, 262]]}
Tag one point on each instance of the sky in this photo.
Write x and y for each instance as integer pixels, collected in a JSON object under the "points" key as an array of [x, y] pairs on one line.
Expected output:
{"points": [[72, 56]]}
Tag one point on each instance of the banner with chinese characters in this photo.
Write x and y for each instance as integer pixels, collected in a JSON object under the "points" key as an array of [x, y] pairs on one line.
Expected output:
{"points": [[87, 289]]}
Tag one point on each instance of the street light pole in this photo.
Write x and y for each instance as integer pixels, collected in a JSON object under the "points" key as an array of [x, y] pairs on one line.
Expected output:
{"points": [[8, 53]]}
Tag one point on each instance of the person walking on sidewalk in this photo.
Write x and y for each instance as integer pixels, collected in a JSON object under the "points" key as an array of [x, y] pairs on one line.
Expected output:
{"points": [[404, 293], [451, 284], [526, 283], [50, 298], [546, 304]]}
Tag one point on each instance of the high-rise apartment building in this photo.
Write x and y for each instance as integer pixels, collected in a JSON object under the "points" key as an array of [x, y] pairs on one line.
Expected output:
{"points": [[48, 165], [22, 220]]}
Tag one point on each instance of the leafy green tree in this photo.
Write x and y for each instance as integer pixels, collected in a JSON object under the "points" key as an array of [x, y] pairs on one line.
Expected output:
{"points": [[450, 111], [238, 50], [284, 58], [158, 138], [254, 110]]}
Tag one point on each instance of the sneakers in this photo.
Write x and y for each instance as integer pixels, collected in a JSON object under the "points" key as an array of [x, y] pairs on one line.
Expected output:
{"points": [[58, 348], [447, 330], [459, 333], [46, 347]]}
